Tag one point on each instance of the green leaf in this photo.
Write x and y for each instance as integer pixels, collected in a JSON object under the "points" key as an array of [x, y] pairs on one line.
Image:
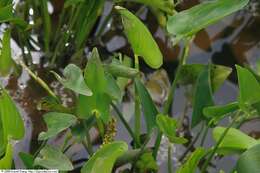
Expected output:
{"points": [[164, 5], [74, 80], [28, 160], [189, 22], [122, 81], [235, 141], [88, 13], [168, 127], [6, 61], [202, 96], [96, 80], [191, 164], [217, 113], [53, 158], [11, 123], [69, 3], [4, 3], [7, 160], [103, 160], [149, 108], [249, 88], [218, 75], [51, 104], [141, 39], [119, 70], [6, 13], [190, 72], [258, 66], [249, 161], [113, 89], [56, 123]]}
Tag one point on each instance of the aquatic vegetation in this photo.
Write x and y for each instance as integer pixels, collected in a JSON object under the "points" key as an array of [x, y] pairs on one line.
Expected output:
{"points": [[99, 84]]}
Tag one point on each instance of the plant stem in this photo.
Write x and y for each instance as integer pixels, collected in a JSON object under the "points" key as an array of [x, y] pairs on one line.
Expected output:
{"points": [[87, 145], [121, 117], [206, 163], [192, 143], [130, 156], [87, 141], [170, 98], [204, 136], [137, 110], [170, 167], [43, 144], [38, 79]]}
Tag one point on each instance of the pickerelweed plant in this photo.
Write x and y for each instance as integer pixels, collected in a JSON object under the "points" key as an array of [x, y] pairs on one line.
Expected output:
{"points": [[99, 89]]}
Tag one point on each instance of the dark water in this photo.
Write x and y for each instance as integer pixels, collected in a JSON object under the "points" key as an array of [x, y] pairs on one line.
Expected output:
{"points": [[234, 40]]}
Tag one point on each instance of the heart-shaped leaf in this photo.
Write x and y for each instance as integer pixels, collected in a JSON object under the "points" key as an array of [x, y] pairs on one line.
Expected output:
{"points": [[56, 123], [74, 80], [96, 80], [53, 158], [141, 39], [103, 160]]}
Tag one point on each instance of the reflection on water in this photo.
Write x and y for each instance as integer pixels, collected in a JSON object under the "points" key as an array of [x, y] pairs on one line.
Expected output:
{"points": [[233, 40]]}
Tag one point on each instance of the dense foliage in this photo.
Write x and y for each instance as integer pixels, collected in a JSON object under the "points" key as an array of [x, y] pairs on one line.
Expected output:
{"points": [[100, 87]]}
